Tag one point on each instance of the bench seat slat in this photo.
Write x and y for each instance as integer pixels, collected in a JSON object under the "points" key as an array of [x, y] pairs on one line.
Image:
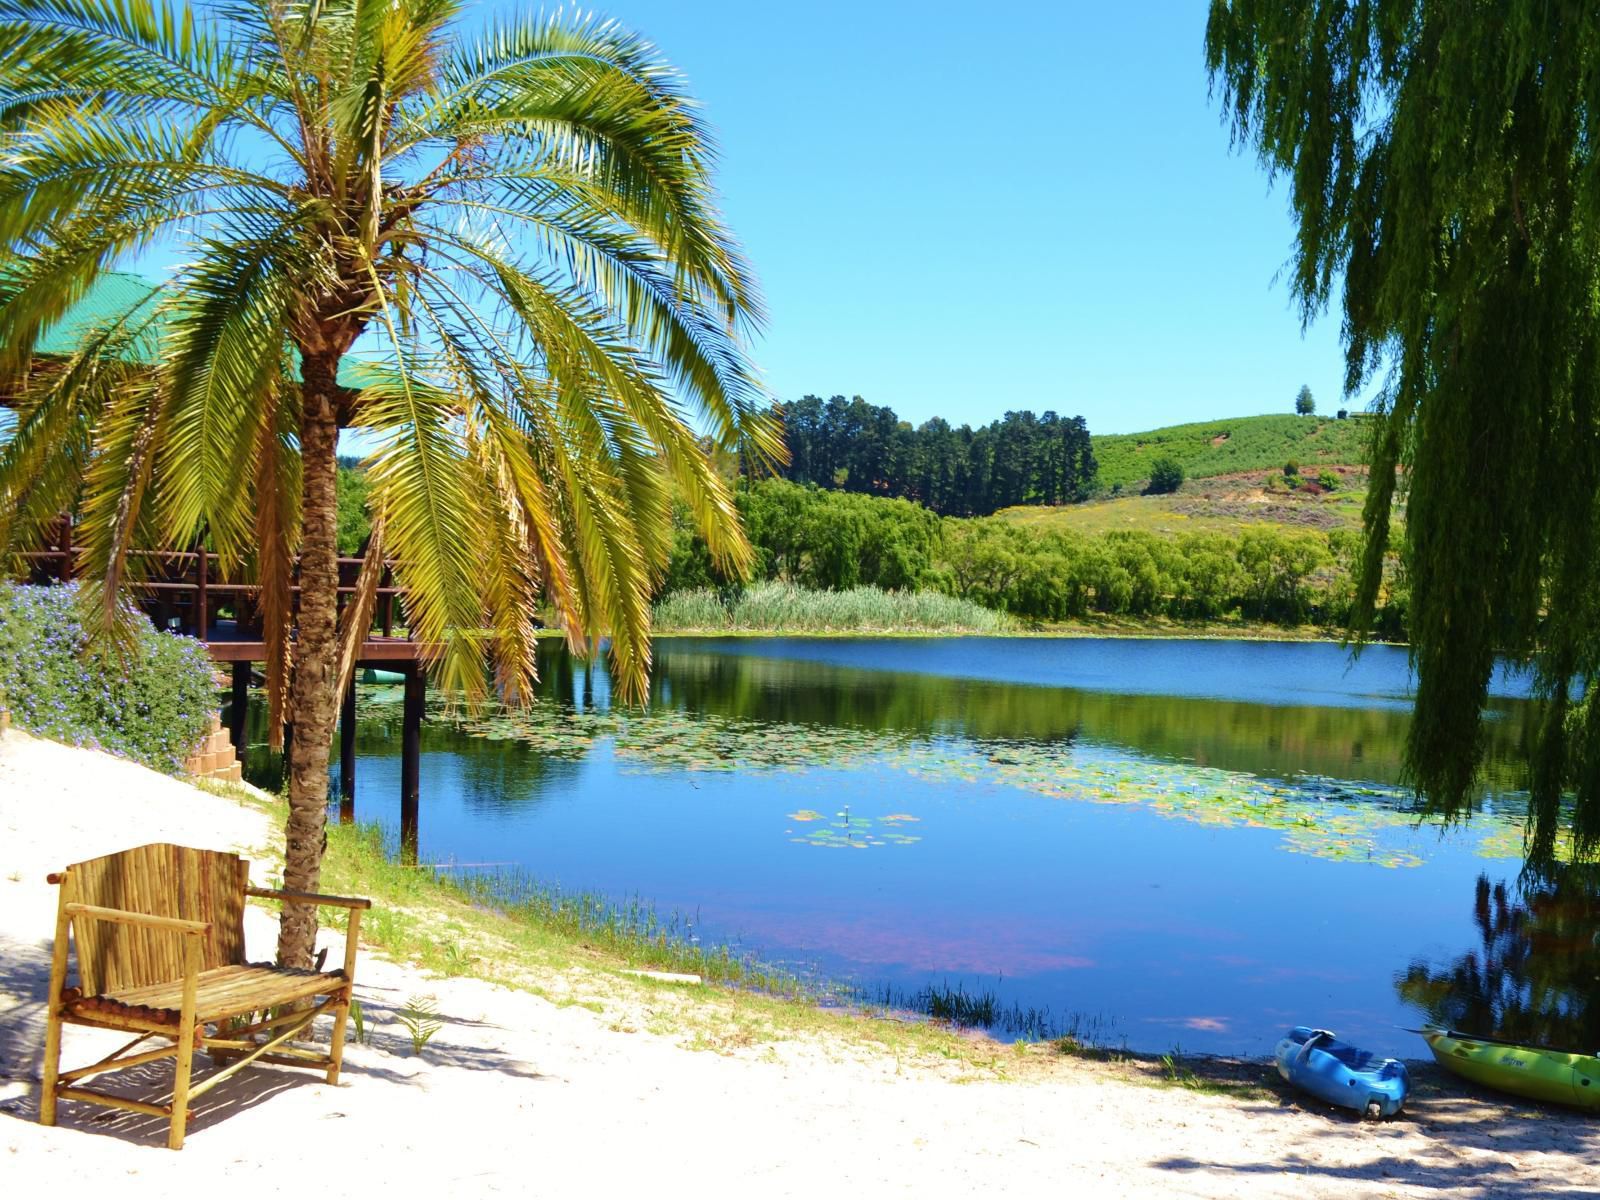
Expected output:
{"points": [[221, 992]]}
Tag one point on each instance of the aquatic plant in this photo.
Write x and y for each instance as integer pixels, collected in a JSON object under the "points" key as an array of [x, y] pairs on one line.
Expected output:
{"points": [[1314, 815], [981, 1008]]}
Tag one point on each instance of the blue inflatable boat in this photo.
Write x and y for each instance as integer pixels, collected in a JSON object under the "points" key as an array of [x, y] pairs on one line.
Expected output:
{"points": [[1315, 1061]]}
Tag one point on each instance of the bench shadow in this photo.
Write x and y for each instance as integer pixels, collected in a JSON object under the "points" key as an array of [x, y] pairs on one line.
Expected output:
{"points": [[24, 986]]}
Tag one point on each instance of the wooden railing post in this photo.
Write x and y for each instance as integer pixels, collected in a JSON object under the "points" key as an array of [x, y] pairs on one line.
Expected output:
{"points": [[239, 708], [202, 616], [68, 559]]}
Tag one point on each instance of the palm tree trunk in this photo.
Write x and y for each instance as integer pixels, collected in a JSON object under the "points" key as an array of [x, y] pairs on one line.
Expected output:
{"points": [[312, 698]]}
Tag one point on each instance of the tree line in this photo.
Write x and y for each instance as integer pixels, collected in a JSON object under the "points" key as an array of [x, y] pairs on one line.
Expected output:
{"points": [[853, 446], [821, 539]]}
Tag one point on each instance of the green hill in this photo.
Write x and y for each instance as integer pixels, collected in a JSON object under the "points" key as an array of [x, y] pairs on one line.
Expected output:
{"points": [[1230, 445]]}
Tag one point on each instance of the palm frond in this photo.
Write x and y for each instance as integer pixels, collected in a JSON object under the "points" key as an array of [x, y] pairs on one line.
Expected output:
{"points": [[59, 410], [356, 619], [115, 509], [158, 51], [420, 483], [226, 336]]}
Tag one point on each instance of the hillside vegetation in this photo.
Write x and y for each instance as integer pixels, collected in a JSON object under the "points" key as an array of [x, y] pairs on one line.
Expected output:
{"points": [[1229, 446], [834, 548], [1219, 504]]}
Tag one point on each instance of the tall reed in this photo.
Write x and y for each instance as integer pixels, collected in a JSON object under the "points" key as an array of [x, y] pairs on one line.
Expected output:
{"points": [[774, 607]]}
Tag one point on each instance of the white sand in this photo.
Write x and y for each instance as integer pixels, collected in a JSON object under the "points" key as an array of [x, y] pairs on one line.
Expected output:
{"points": [[520, 1096]]}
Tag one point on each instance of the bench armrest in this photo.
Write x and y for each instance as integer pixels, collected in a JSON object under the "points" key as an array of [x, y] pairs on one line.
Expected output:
{"points": [[309, 897], [123, 916]]}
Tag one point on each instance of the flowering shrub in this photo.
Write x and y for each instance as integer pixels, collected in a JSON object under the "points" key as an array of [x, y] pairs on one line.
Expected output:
{"points": [[153, 709]]}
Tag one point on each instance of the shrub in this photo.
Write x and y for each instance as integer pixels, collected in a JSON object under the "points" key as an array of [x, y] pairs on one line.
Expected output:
{"points": [[1328, 480], [1166, 475], [1291, 468], [354, 524], [153, 710], [1276, 483]]}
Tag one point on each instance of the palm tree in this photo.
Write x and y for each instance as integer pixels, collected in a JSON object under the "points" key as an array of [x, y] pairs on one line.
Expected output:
{"points": [[495, 253]]}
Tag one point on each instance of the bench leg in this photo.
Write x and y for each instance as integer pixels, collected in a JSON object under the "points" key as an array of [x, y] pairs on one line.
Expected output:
{"points": [[341, 1018], [52, 1025], [52, 1065], [188, 1030], [341, 1013], [180, 1090]]}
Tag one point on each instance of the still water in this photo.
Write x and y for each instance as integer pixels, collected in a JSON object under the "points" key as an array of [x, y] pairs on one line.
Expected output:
{"points": [[1167, 843]]}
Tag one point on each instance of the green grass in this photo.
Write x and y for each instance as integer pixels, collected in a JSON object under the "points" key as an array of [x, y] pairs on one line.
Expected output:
{"points": [[1230, 445], [786, 608]]}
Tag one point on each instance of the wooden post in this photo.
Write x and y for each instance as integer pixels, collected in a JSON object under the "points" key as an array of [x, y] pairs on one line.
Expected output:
{"points": [[386, 602], [347, 755], [202, 614], [240, 706], [411, 760], [69, 563]]}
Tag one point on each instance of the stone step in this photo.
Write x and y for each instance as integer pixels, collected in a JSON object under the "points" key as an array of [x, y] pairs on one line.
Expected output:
{"points": [[214, 758]]}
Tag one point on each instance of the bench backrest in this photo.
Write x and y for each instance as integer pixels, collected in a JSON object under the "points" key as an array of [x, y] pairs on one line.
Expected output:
{"points": [[161, 880]]}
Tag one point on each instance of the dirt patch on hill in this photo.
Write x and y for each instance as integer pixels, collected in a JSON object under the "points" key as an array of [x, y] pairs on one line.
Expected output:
{"points": [[1245, 497]]}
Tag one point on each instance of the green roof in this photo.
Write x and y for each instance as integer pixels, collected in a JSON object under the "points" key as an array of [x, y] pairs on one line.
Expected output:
{"points": [[112, 297]]}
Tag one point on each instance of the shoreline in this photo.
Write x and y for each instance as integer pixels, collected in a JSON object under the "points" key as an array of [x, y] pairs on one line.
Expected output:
{"points": [[1313, 635], [1063, 633]]}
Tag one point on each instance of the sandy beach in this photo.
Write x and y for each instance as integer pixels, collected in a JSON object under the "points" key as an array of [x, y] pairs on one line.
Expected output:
{"points": [[517, 1094]]}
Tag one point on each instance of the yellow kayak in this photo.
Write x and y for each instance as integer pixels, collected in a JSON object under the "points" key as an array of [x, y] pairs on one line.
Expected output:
{"points": [[1554, 1076]]}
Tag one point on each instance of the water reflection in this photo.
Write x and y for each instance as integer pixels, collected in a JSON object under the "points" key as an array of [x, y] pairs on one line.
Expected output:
{"points": [[1535, 974], [1274, 740], [1035, 820]]}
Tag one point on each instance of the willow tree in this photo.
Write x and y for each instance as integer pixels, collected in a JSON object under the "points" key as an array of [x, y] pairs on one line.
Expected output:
{"points": [[496, 253], [1444, 173]]}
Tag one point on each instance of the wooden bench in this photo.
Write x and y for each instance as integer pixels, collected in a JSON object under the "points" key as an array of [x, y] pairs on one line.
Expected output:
{"points": [[158, 934]]}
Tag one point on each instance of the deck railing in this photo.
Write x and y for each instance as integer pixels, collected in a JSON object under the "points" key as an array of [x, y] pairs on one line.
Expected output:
{"points": [[182, 590]]}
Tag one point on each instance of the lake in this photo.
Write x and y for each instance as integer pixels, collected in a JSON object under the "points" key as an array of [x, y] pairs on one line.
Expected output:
{"points": [[1157, 843]]}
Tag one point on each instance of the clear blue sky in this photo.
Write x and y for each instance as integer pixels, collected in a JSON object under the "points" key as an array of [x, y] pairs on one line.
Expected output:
{"points": [[956, 210]]}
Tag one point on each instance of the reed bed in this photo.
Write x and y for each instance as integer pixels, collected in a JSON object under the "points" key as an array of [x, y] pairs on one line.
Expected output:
{"points": [[982, 1009], [787, 608]]}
